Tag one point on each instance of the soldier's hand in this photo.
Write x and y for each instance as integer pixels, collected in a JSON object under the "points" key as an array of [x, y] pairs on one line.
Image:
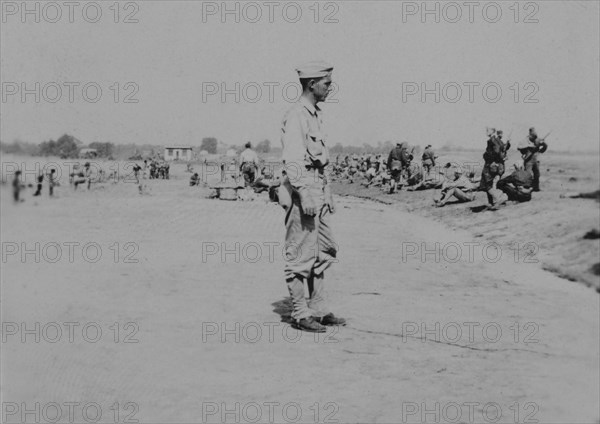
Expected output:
{"points": [[307, 202], [329, 199]]}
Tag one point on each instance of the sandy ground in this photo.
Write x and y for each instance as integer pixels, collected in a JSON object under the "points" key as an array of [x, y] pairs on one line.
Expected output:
{"points": [[200, 305]]}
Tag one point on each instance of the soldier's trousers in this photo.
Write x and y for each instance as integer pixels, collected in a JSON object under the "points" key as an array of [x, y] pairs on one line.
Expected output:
{"points": [[491, 170], [534, 167], [309, 250]]}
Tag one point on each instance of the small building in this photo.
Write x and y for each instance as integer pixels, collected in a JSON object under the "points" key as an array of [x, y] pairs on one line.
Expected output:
{"points": [[88, 153], [178, 153]]}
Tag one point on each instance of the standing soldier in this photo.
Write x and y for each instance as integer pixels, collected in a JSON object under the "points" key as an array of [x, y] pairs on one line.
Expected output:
{"points": [[494, 165], [88, 175], [307, 200], [428, 158], [395, 163], [504, 146], [532, 163], [40, 179], [51, 182], [16, 186], [248, 164]]}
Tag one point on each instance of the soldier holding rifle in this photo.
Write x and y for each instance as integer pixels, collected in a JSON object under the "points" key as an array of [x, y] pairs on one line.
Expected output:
{"points": [[535, 147]]}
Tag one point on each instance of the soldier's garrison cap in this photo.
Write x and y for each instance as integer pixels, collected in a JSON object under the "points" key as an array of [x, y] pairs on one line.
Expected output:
{"points": [[314, 69]]}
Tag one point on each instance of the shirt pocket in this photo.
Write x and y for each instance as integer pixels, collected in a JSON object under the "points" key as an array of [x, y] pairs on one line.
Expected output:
{"points": [[316, 148]]}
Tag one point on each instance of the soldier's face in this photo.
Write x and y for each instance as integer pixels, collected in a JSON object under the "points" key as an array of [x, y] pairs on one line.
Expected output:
{"points": [[321, 88]]}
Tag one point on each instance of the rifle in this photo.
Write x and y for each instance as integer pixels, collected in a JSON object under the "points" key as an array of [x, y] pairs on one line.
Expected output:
{"points": [[543, 147], [544, 138]]}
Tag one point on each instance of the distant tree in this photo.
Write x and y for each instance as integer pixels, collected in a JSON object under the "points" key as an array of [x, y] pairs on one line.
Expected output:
{"points": [[48, 148], [15, 147], [209, 144], [67, 146], [264, 146]]}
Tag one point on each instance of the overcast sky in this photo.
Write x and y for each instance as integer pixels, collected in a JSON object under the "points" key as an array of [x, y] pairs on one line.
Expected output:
{"points": [[180, 55]]}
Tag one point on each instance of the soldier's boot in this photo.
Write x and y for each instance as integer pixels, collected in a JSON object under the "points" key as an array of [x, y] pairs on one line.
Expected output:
{"points": [[311, 325]]}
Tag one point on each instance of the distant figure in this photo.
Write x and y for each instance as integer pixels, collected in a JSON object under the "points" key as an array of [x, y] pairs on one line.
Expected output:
{"points": [[73, 175], [153, 172], [194, 180], [222, 171], [249, 164], [40, 179], [52, 181], [428, 158], [88, 175], [136, 172], [17, 186], [397, 163], [518, 185], [84, 176], [531, 159], [394, 164], [461, 188]]}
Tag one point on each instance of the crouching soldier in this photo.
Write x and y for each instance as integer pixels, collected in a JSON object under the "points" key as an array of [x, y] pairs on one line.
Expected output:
{"points": [[518, 185]]}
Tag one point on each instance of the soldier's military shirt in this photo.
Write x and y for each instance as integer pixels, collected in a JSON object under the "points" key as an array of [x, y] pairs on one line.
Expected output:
{"points": [[304, 142]]}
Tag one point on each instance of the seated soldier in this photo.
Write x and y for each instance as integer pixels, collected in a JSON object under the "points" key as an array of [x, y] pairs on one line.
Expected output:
{"points": [[461, 188], [194, 180], [371, 173], [433, 179], [518, 185]]}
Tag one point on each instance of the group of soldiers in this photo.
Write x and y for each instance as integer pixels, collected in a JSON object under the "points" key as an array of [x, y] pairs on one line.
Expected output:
{"points": [[525, 177], [87, 175], [395, 172], [18, 186], [401, 170], [156, 169]]}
